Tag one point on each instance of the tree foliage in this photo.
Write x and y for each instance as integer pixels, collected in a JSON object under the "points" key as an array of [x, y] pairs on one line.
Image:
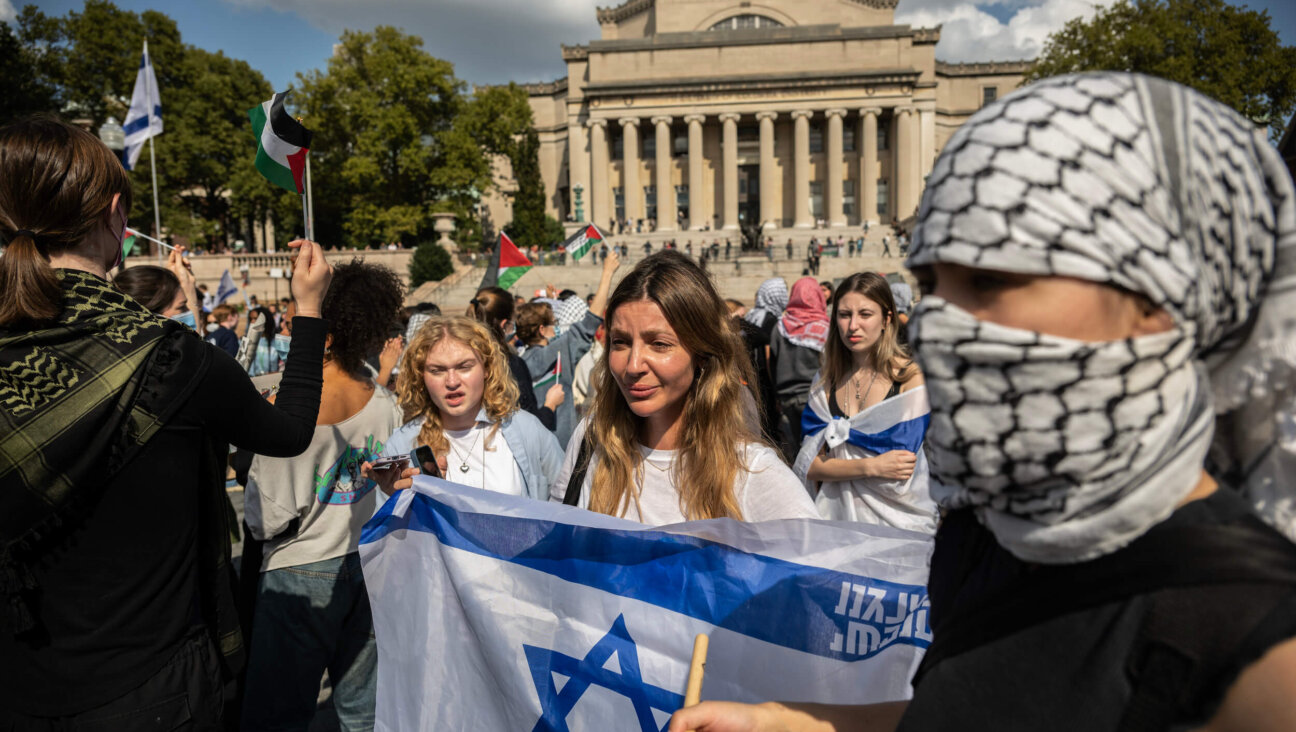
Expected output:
{"points": [[1227, 52], [528, 227], [430, 263], [386, 147]]}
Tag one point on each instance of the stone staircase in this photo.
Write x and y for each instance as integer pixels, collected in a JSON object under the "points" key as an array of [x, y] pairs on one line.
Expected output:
{"points": [[735, 278]]}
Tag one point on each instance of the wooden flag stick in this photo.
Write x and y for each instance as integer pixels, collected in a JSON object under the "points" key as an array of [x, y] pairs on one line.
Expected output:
{"points": [[693, 692]]}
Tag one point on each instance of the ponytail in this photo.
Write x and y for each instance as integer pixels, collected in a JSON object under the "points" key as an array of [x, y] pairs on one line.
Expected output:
{"points": [[29, 289], [57, 180]]}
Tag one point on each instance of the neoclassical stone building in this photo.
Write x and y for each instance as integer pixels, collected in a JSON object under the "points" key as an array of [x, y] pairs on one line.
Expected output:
{"points": [[693, 114]]}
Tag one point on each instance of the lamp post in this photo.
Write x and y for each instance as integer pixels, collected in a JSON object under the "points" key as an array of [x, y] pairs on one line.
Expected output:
{"points": [[114, 136], [578, 189]]}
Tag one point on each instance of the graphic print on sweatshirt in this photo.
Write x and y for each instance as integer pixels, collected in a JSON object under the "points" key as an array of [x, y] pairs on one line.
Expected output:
{"points": [[342, 484]]}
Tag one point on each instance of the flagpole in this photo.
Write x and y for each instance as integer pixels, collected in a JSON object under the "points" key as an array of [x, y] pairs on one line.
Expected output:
{"points": [[310, 203], [157, 215], [305, 218]]}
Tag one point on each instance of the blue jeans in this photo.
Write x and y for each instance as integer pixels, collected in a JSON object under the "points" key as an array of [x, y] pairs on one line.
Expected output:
{"points": [[308, 619]]}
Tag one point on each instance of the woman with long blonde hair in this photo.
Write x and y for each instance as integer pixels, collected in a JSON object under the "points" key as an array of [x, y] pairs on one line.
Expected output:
{"points": [[866, 417], [672, 433], [462, 402]]}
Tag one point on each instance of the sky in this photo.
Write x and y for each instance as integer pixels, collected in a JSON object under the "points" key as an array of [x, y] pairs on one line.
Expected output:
{"points": [[495, 41]]}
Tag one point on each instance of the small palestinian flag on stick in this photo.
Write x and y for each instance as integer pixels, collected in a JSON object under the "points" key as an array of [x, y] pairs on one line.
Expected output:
{"points": [[550, 378], [582, 241], [507, 264], [282, 144]]}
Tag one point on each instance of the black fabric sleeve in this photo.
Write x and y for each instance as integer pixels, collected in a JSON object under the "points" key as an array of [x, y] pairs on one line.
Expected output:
{"points": [[526, 395], [231, 408]]}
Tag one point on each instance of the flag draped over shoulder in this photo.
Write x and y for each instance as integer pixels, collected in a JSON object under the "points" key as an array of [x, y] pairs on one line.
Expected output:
{"points": [[585, 239], [507, 265], [144, 119], [496, 612], [282, 144]]}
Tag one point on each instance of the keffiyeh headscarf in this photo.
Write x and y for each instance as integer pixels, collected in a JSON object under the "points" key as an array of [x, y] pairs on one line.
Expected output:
{"points": [[771, 299], [570, 311], [805, 322], [1071, 450]]}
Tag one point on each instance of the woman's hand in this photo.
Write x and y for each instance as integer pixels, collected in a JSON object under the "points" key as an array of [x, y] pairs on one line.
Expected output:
{"points": [[389, 357], [894, 465], [390, 480], [555, 396], [180, 267], [311, 277]]}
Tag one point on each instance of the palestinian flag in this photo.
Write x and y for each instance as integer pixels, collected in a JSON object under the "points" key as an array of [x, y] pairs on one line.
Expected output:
{"points": [[550, 378], [507, 264], [128, 243], [582, 241], [282, 144]]}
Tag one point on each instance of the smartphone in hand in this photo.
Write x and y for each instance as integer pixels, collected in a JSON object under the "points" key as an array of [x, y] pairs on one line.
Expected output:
{"points": [[427, 461]]}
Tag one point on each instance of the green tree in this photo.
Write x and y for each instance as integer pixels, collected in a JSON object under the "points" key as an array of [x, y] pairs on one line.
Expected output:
{"points": [[26, 82], [528, 226], [430, 263], [386, 147], [1227, 52]]}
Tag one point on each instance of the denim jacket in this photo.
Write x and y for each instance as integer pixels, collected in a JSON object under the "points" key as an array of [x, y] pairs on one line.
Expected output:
{"points": [[535, 449]]}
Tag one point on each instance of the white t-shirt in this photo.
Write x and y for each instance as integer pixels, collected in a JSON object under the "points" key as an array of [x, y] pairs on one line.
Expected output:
{"points": [[490, 465], [768, 490]]}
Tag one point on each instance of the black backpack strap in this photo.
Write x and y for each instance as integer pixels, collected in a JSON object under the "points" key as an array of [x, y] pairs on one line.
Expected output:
{"points": [[577, 479]]}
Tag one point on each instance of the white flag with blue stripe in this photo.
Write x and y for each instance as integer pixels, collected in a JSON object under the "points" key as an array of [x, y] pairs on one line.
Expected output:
{"points": [[495, 612], [144, 120]]}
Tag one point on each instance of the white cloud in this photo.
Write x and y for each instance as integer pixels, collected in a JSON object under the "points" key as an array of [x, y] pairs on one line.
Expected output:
{"points": [[969, 33], [489, 41], [7, 12]]}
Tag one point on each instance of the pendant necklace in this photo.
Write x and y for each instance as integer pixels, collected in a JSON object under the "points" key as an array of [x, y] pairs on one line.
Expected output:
{"points": [[463, 465], [859, 402]]}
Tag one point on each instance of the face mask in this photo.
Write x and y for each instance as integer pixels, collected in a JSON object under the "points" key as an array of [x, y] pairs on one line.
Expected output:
{"points": [[281, 344], [1068, 449], [186, 318], [212, 327]]}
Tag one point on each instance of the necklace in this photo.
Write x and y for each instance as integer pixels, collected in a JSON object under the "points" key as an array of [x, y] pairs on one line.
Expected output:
{"points": [[859, 402], [463, 464]]}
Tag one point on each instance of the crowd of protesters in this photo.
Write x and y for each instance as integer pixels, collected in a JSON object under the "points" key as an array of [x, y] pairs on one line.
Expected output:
{"points": [[1058, 377]]}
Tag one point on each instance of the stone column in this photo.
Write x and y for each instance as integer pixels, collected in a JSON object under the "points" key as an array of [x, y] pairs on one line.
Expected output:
{"points": [[665, 188], [906, 167], [833, 189], [868, 163], [801, 169], [730, 141], [696, 213], [578, 170], [768, 211], [630, 181], [600, 193]]}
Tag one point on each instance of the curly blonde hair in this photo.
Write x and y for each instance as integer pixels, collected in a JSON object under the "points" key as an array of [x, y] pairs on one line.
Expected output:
{"points": [[717, 427], [499, 395]]}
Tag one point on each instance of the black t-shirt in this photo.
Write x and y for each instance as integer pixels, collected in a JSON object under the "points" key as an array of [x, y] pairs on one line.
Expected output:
{"points": [[118, 597], [1072, 672]]}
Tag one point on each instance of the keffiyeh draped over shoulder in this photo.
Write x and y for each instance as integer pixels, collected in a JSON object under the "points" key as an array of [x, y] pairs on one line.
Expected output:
{"points": [[1152, 187]]}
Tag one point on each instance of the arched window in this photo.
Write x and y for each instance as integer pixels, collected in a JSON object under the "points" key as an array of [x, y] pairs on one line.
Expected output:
{"points": [[742, 22]]}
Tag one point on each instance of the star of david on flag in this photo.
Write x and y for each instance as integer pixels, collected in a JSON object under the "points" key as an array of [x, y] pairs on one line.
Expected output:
{"points": [[582, 673], [496, 612]]}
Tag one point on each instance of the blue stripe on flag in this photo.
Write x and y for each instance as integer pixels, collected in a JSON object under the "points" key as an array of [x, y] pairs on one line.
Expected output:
{"points": [[907, 435], [141, 123], [827, 613]]}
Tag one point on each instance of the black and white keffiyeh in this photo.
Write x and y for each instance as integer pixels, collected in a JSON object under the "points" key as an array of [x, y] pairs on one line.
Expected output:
{"points": [[771, 300], [1071, 450]]}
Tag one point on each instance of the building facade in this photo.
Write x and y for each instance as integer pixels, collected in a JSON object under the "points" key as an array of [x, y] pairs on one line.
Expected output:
{"points": [[717, 114]]}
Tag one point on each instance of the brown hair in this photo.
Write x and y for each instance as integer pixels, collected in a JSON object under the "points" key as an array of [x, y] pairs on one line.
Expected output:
{"points": [[57, 182], [490, 306], [153, 287], [221, 313], [716, 426], [531, 318], [499, 392], [734, 305], [889, 357]]}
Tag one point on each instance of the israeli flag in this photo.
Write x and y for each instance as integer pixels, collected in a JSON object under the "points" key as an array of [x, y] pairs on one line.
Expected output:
{"points": [[226, 287], [144, 120], [496, 612]]}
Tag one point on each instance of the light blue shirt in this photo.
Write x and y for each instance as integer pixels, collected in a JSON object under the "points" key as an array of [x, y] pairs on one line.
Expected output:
{"points": [[535, 449]]}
